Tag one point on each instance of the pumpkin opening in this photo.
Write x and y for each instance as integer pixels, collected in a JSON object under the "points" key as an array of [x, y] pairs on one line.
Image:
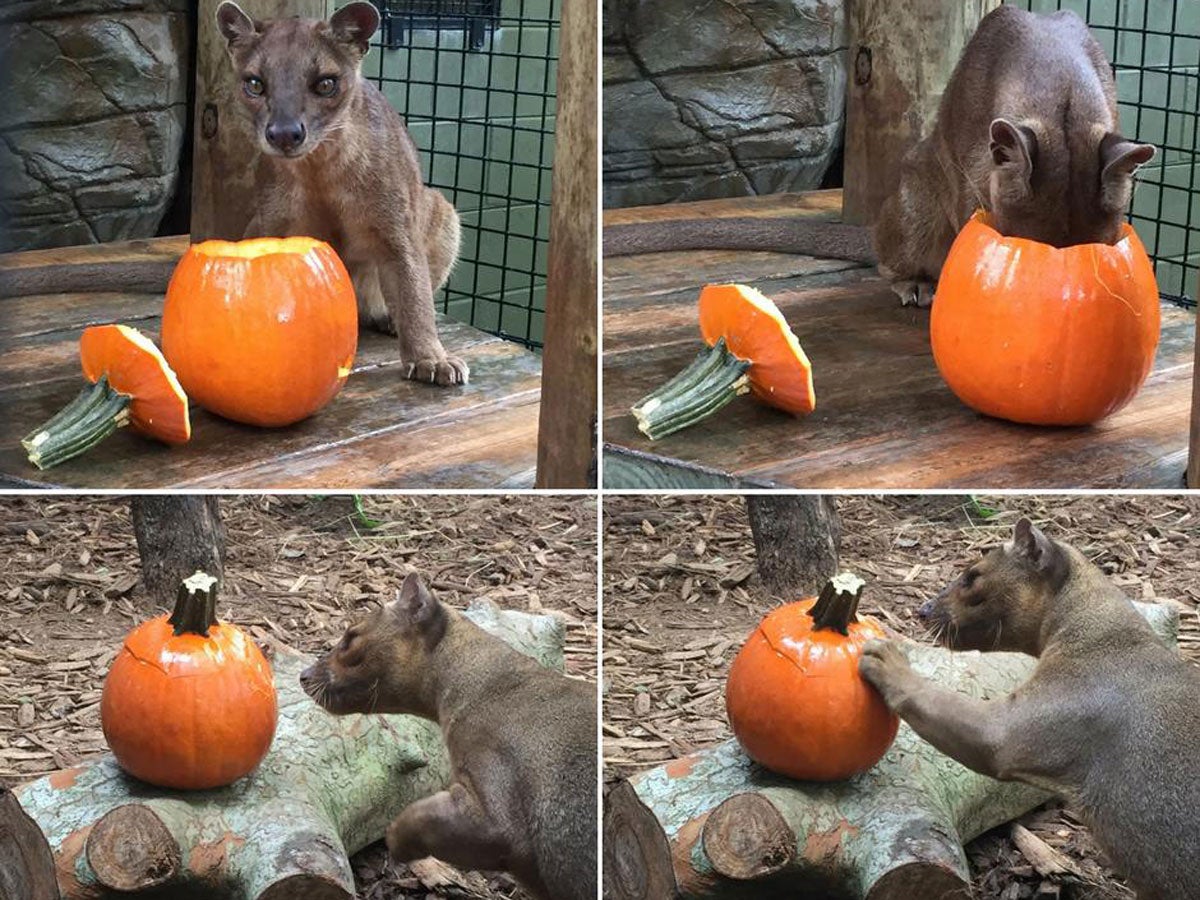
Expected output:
{"points": [[130, 383], [253, 248], [751, 349], [984, 218]]}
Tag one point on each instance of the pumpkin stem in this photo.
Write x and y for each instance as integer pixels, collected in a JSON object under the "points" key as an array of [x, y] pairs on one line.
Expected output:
{"points": [[837, 604], [97, 412], [714, 378], [195, 605]]}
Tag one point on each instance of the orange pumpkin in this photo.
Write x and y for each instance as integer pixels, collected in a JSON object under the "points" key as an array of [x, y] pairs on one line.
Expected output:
{"points": [[1040, 334], [261, 331], [794, 697], [189, 702], [129, 383], [751, 348]]}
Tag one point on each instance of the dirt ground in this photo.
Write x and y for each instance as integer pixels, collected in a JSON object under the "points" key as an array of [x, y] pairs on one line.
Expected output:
{"points": [[681, 594], [298, 569]]}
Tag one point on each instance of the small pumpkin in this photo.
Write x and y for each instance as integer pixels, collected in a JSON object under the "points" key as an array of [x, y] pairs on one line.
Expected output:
{"points": [[794, 697], [261, 331], [1044, 335], [189, 702], [128, 383], [752, 349]]}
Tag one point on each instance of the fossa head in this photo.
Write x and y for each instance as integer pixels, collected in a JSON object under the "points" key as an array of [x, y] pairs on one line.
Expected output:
{"points": [[1000, 601], [383, 662], [1061, 189], [296, 76]]}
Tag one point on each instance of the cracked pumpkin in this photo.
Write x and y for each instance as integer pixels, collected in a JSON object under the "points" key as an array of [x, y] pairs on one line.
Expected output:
{"points": [[189, 702], [794, 697]]}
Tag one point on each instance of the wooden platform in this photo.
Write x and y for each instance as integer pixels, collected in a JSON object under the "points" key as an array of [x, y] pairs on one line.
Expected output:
{"points": [[381, 431], [884, 417]]}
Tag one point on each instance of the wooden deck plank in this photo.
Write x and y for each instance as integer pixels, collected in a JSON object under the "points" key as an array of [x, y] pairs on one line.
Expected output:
{"points": [[380, 431], [811, 205], [884, 417]]}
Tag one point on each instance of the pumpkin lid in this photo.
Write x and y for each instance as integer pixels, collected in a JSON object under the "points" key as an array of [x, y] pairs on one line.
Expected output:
{"points": [[755, 330], [135, 367]]}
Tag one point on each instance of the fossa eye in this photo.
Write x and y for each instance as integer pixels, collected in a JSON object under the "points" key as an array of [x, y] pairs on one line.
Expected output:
{"points": [[325, 87], [254, 86]]}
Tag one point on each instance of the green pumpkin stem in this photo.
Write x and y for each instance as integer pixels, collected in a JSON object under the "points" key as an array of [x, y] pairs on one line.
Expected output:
{"points": [[837, 604], [196, 605], [713, 379], [97, 412]]}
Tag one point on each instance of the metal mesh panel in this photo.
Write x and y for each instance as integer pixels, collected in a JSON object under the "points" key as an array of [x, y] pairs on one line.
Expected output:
{"points": [[475, 81], [1155, 49]]}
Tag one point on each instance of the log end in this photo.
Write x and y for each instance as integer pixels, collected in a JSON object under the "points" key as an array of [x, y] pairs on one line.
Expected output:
{"points": [[305, 887], [637, 855], [26, 863], [746, 838], [131, 849], [919, 879]]}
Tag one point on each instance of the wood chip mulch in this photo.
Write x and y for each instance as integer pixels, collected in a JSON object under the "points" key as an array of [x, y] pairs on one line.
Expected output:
{"points": [[681, 594]]}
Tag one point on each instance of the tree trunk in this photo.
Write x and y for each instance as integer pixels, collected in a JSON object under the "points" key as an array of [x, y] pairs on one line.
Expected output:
{"points": [[177, 534], [327, 788], [26, 864], [796, 540], [716, 825]]}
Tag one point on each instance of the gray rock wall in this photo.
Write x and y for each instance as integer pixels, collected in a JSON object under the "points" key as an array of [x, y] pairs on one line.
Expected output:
{"points": [[720, 98], [92, 118]]}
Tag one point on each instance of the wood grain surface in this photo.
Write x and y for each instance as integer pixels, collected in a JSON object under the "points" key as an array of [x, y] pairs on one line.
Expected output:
{"points": [[380, 431], [884, 417]]}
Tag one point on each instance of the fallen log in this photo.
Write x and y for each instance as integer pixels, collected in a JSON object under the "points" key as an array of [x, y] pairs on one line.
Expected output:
{"points": [[716, 825], [327, 788], [26, 864]]}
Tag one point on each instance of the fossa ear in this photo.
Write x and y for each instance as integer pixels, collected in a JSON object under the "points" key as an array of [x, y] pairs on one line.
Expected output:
{"points": [[236, 27], [354, 24], [1031, 546], [418, 611], [1013, 147], [1119, 159]]}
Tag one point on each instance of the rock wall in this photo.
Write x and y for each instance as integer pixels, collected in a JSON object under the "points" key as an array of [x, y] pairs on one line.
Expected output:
{"points": [[720, 98], [92, 118]]}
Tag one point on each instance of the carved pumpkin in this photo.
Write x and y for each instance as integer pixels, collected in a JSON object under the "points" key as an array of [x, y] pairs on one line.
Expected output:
{"points": [[1040, 334], [794, 697], [189, 702], [261, 331]]}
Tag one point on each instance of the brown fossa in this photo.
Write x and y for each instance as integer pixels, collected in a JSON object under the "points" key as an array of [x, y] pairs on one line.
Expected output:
{"points": [[1109, 720], [336, 163], [521, 738], [1026, 129]]}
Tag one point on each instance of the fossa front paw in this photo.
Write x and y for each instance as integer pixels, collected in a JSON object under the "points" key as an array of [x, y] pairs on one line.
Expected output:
{"points": [[885, 666], [915, 293], [446, 371]]}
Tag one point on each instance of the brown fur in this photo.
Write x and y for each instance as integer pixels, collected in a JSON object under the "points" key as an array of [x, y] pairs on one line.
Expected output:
{"points": [[1027, 129], [522, 742], [343, 168], [1109, 720]]}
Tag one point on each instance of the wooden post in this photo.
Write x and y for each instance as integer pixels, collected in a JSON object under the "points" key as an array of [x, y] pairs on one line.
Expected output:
{"points": [[224, 152], [901, 55], [796, 541], [1193, 469], [567, 423], [177, 534]]}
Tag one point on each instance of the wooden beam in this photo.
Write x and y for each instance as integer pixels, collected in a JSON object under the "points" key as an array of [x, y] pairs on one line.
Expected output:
{"points": [[224, 151], [901, 55], [1193, 469], [567, 424]]}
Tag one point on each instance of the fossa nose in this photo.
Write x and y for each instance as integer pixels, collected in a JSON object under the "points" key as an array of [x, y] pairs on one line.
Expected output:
{"points": [[285, 136]]}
